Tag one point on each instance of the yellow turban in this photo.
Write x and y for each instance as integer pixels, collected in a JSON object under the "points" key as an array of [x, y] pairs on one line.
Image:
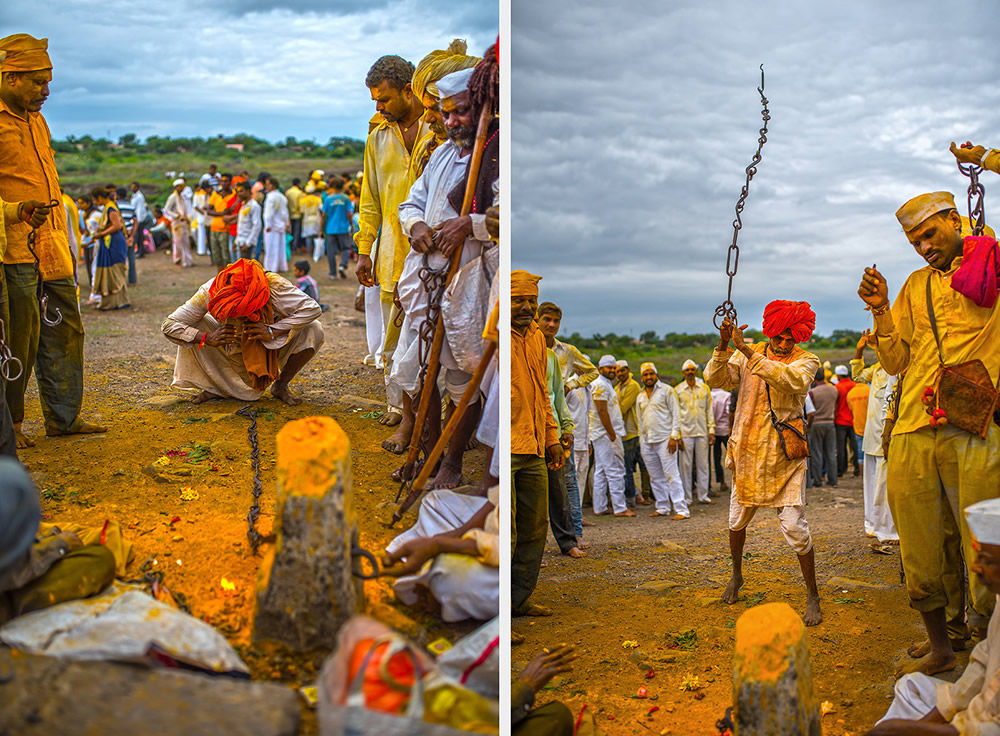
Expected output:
{"points": [[920, 208], [523, 283], [438, 64], [24, 53]]}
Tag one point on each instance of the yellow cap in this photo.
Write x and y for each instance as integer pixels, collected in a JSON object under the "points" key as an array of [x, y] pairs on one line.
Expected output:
{"points": [[920, 208]]}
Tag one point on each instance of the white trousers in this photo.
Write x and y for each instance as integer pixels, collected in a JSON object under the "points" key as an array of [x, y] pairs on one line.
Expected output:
{"points": [[581, 463], [916, 696], [878, 519], [202, 239], [274, 250], [374, 332], [695, 448], [609, 475], [393, 393], [664, 477]]}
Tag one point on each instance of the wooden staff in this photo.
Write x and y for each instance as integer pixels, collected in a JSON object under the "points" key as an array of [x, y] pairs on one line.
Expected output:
{"points": [[434, 362], [449, 430]]}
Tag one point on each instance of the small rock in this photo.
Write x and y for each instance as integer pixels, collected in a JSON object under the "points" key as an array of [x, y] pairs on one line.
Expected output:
{"points": [[163, 401], [709, 600], [350, 401], [659, 586], [672, 547]]}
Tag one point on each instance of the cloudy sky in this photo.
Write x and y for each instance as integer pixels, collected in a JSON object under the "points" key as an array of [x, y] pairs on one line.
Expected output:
{"points": [[633, 127], [194, 68]]}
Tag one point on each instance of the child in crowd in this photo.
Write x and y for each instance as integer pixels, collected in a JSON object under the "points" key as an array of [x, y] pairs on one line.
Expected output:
{"points": [[307, 283]]}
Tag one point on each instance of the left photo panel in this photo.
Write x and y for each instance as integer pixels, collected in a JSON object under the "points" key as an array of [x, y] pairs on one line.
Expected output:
{"points": [[248, 341]]}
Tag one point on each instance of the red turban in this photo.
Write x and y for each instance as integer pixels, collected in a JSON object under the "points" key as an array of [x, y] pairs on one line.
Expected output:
{"points": [[240, 290], [781, 315]]}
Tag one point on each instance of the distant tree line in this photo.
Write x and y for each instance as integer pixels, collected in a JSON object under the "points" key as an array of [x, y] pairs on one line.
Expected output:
{"points": [[217, 147], [649, 339]]}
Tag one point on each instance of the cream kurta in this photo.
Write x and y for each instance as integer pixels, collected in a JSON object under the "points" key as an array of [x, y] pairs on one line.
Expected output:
{"points": [[222, 373], [762, 475]]}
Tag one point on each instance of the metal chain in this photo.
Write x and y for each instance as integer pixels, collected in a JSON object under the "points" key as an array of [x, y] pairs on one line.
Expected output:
{"points": [[727, 308], [357, 551], [7, 357], [43, 298], [154, 579], [252, 534], [977, 211]]}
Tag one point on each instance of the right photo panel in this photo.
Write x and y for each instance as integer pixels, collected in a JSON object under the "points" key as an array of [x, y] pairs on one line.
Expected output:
{"points": [[755, 349]]}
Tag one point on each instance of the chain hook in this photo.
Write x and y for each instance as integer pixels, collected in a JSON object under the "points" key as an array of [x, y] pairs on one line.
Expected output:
{"points": [[977, 192], [43, 298]]}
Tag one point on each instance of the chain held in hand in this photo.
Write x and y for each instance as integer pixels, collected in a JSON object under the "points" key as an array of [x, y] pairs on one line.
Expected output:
{"points": [[43, 298], [977, 193]]}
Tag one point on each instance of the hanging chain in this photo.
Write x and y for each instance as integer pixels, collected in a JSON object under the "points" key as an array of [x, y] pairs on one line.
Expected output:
{"points": [[977, 211], [43, 298], [252, 534], [7, 357], [727, 308]]}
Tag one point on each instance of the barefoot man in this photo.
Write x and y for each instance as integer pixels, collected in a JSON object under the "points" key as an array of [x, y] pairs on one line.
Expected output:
{"points": [[935, 471], [774, 379], [241, 332]]}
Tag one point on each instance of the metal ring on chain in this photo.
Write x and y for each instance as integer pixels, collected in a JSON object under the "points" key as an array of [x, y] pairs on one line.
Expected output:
{"points": [[43, 298], [7, 357], [356, 551], [727, 308], [977, 210], [253, 535]]}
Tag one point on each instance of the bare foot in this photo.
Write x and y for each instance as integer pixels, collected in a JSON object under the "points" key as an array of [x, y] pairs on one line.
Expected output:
{"points": [[516, 638], [923, 648], [471, 444], [732, 592], [203, 397], [399, 441], [23, 440], [394, 445], [390, 419], [85, 428], [930, 664], [576, 552], [280, 391], [447, 477], [813, 615], [581, 544], [626, 512], [534, 610], [588, 523]]}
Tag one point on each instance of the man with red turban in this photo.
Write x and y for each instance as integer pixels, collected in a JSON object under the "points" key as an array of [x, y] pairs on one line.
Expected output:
{"points": [[243, 331], [773, 378]]}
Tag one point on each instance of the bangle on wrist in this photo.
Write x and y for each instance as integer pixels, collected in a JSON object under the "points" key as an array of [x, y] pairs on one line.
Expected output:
{"points": [[20, 211], [877, 311], [202, 343], [982, 161]]}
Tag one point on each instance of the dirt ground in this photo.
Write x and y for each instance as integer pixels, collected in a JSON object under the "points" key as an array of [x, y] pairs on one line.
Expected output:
{"points": [[197, 543], [658, 582]]}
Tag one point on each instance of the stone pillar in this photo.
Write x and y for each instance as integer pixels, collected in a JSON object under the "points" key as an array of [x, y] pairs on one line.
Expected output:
{"points": [[305, 589], [772, 675]]}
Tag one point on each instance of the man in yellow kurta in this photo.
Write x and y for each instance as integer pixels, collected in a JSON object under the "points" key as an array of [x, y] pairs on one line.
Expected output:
{"points": [[772, 377], [28, 172], [935, 471], [388, 175]]}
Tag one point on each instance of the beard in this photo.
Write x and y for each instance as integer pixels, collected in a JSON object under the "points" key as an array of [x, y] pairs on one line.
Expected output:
{"points": [[464, 137], [439, 131]]}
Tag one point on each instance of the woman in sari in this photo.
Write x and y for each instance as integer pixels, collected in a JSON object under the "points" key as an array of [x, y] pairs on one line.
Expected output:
{"points": [[110, 270]]}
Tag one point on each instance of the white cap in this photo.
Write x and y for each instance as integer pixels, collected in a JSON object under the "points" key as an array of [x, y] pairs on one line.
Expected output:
{"points": [[689, 364], [984, 521], [622, 363], [841, 370], [651, 367], [455, 83], [178, 182], [606, 361]]}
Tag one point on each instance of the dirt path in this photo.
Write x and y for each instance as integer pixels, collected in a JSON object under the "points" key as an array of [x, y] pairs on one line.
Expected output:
{"points": [[129, 366], [633, 587]]}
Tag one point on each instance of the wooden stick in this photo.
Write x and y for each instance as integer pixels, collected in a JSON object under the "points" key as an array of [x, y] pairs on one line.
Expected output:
{"points": [[434, 361], [449, 430]]}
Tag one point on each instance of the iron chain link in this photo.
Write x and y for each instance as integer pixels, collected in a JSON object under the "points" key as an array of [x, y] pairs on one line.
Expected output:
{"points": [[43, 298], [7, 357], [727, 308], [976, 196], [252, 534], [154, 579]]}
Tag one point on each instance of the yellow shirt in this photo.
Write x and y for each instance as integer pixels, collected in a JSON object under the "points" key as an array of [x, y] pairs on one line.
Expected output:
{"points": [[217, 203], [627, 395], [74, 215], [532, 427], [905, 340], [389, 173], [28, 171], [294, 196], [8, 213]]}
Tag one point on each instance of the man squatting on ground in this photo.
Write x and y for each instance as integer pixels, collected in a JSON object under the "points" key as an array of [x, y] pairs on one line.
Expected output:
{"points": [[772, 376], [241, 332], [936, 471], [28, 173]]}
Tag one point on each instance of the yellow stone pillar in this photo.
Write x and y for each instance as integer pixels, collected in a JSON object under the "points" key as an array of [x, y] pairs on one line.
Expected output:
{"points": [[772, 675], [305, 589]]}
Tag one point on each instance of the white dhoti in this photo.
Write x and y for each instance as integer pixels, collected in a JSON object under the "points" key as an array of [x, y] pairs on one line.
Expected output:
{"points": [[581, 464], [696, 450], [223, 374], [489, 423], [609, 475], [916, 696], [180, 232], [463, 586], [664, 477], [374, 331], [201, 237], [878, 518], [274, 249]]}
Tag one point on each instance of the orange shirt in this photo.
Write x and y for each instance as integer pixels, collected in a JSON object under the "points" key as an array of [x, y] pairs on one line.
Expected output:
{"points": [[532, 427], [857, 399], [28, 171]]}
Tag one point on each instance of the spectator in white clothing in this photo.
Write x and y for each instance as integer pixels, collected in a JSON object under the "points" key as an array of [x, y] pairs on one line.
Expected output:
{"points": [[697, 431]]}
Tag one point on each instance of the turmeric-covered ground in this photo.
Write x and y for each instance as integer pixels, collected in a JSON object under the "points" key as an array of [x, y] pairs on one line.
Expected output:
{"points": [[644, 611], [193, 520]]}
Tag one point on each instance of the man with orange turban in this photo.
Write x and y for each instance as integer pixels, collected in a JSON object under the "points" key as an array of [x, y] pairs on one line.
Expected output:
{"points": [[243, 331], [773, 378], [28, 172], [934, 468]]}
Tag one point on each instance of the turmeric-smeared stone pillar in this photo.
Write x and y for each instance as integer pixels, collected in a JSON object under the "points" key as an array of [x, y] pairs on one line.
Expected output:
{"points": [[305, 589], [772, 675]]}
